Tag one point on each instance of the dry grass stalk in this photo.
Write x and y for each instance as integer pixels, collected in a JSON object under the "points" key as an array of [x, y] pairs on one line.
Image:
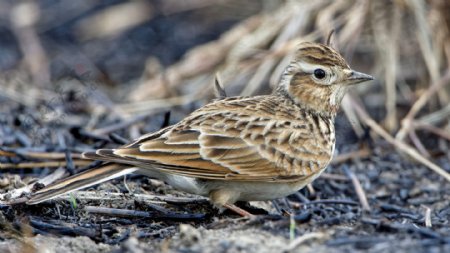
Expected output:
{"points": [[420, 103], [50, 164], [398, 144], [432, 129], [260, 46], [13, 197], [304, 238], [199, 60], [427, 217], [24, 17], [358, 189], [114, 20], [361, 153]]}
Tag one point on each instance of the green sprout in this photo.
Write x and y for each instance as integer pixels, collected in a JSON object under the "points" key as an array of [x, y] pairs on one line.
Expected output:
{"points": [[73, 201], [292, 228]]}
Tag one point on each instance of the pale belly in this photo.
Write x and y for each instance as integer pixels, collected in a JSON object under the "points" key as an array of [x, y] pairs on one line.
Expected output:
{"points": [[243, 190]]}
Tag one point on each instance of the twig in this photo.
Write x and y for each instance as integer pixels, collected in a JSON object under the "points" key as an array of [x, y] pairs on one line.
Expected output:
{"points": [[436, 117], [427, 217], [12, 197], [358, 188], [437, 131], [407, 121], [6, 153], [398, 227], [146, 198], [49, 164], [336, 177], [142, 214], [362, 153], [126, 123], [69, 161], [118, 139], [416, 141], [398, 144], [306, 237], [394, 208], [72, 230], [351, 117], [24, 17], [367, 240], [332, 201], [301, 197], [311, 189], [38, 155]]}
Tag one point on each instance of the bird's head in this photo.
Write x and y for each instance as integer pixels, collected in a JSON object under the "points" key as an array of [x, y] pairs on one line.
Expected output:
{"points": [[318, 77]]}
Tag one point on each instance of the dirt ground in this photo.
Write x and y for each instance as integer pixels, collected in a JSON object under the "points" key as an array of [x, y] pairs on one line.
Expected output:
{"points": [[372, 198]]}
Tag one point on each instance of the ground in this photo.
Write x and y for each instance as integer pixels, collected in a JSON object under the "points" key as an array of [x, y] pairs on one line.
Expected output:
{"points": [[372, 198]]}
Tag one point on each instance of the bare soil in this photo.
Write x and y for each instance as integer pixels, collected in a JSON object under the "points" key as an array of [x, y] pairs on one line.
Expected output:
{"points": [[409, 206]]}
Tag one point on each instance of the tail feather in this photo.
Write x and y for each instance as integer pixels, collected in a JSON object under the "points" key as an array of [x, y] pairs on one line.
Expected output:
{"points": [[88, 178]]}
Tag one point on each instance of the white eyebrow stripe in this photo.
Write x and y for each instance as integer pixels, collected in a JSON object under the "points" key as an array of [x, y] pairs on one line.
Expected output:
{"points": [[309, 68]]}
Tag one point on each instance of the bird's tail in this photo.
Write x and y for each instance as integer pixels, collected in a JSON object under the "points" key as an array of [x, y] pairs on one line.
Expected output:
{"points": [[85, 179]]}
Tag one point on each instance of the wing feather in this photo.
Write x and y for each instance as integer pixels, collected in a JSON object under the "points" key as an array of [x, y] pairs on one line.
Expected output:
{"points": [[226, 143]]}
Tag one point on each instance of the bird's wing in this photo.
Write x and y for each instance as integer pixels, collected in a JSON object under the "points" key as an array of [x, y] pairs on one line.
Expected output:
{"points": [[225, 140]]}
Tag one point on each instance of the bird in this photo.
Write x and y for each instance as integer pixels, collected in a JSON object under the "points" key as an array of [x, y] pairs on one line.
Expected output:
{"points": [[242, 148]]}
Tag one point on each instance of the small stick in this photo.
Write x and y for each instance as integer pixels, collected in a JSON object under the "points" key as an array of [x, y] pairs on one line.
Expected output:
{"points": [[38, 155], [118, 139], [425, 232], [141, 214], [336, 177], [363, 153], [407, 120], [437, 131], [306, 237], [12, 197], [419, 146], [332, 201], [147, 198], [358, 188], [121, 125], [6, 153], [64, 230], [69, 160], [427, 217], [49, 164], [311, 189], [302, 197], [117, 212], [398, 144], [436, 117]]}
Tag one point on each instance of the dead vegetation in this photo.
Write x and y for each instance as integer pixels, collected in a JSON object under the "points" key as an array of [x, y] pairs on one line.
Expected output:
{"points": [[387, 187]]}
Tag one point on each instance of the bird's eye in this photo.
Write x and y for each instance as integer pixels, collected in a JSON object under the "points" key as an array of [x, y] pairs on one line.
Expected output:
{"points": [[319, 73]]}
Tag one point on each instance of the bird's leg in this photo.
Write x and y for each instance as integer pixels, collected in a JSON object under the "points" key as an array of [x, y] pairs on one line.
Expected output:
{"points": [[223, 198], [239, 210]]}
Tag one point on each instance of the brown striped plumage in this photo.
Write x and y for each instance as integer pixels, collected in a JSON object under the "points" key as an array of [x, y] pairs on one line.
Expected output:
{"points": [[241, 148]]}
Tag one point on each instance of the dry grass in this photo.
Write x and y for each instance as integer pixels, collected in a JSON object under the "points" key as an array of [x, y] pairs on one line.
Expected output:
{"points": [[404, 44]]}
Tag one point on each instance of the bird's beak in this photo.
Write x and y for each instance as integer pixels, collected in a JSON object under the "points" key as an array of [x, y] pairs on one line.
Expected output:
{"points": [[358, 77]]}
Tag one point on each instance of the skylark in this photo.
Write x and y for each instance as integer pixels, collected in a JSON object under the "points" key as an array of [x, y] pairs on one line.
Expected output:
{"points": [[240, 148]]}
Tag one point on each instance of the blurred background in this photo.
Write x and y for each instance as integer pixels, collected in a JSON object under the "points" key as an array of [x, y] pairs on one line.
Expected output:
{"points": [[79, 75], [121, 59]]}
